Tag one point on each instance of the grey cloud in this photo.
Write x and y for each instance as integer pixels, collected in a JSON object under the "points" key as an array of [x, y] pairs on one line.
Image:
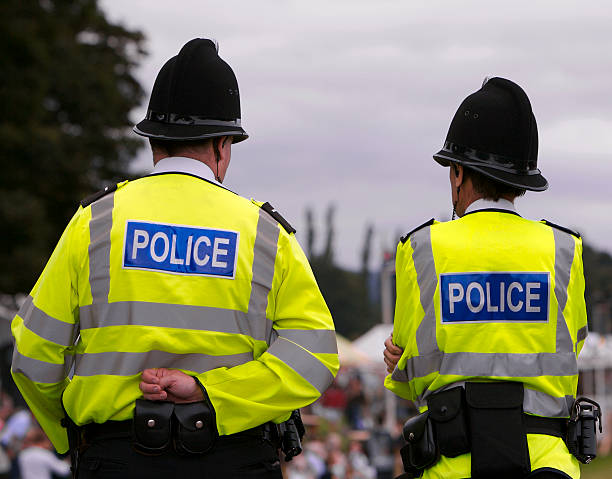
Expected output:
{"points": [[346, 101]]}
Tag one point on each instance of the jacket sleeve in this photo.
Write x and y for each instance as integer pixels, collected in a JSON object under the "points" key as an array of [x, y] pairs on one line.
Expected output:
{"points": [[575, 308], [300, 362], [408, 315], [44, 331]]}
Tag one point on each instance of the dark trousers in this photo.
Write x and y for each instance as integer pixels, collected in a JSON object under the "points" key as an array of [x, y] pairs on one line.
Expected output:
{"points": [[546, 473], [238, 457]]}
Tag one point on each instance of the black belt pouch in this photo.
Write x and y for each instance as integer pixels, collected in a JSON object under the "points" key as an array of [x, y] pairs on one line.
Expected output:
{"points": [[499, 441], [449, 414], [152, 433], [421, 451], [195, 431]]}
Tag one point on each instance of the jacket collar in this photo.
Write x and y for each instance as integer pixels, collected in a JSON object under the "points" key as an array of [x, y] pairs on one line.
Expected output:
{"points": [[179, 164], [502, 205]]}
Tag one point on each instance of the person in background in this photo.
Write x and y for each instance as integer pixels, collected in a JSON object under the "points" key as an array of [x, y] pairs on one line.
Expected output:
{"points": [[36, 459]]}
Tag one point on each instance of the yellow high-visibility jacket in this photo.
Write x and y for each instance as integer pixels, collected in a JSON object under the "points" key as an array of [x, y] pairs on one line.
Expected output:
{"points": [[173, 271], [492, 296]]}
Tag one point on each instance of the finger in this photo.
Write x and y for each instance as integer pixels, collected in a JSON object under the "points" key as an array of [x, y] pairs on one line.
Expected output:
{"points": [[390, 363], [160, 396], [387, 354], [149, 388], [390, 356], [392, 347], [150, 376], [390, 366]]}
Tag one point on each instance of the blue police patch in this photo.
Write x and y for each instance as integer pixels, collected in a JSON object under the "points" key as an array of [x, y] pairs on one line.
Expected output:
{"points": [[180, 249], [494, 297]]}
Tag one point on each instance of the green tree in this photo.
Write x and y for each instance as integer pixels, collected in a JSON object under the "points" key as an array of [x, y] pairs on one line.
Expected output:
{"points": [[345, 291], [366, 251], [598, 278], [66, 90], [310, 232], [328, 252]]}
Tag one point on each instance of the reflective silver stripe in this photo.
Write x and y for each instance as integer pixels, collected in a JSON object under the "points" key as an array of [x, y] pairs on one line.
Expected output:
{"points": [[40, 371], [430, 356], [542, 404], [127, 364], [534, 402], [564, 257], [99, 247], [419, 366], [303, 363], [163, 315], [264, 256], [425, 267], [45, 326], [510, 365], [582, 334], [314, 340]]}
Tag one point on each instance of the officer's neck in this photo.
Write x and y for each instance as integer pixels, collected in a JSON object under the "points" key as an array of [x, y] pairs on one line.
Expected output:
{"points": [[468, 196]]}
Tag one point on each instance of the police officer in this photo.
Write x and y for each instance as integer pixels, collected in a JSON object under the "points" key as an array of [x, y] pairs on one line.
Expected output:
{"points": [[490, 312], [189, 315]]}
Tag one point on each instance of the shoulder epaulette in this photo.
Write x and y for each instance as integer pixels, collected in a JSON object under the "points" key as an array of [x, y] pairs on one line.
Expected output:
{"points": [[562, 228], [268, 208], [97, 195], [427, 223]]}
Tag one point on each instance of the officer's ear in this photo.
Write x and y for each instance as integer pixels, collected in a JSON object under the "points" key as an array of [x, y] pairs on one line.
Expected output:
{"points": [[220, 143], [457, 174]]}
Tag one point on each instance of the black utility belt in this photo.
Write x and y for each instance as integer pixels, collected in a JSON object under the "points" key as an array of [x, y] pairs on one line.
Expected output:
{"points": [[160, 426], [487, 420], [124, 429], [188, 429]]}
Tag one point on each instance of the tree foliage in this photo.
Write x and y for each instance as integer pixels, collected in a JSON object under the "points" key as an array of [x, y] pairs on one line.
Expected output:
{"points": [[345, 292], [598, 277], [66, 90]]}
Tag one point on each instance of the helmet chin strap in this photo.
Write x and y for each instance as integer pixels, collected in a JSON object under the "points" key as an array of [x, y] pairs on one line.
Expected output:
{"points": [[458, 190], [455, 204]]}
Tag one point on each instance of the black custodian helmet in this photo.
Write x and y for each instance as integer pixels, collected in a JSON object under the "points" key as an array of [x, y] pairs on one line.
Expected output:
{"points": [[195, 96], [495, 133]]}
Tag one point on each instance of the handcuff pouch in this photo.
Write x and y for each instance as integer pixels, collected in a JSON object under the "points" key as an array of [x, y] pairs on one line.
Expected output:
{"points": [[421, 451], [196, 431], [152, 426]]}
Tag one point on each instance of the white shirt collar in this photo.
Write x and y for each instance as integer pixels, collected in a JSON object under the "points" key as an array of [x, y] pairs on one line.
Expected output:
{"points": [[180, 164], [482, 204]]}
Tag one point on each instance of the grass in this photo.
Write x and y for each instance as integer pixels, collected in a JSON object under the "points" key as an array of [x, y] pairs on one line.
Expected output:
{"points": [[600, 468]]}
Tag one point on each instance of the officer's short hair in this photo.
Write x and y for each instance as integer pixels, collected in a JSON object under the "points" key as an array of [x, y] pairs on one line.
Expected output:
{"points": [[174, 147], [489, 188]]}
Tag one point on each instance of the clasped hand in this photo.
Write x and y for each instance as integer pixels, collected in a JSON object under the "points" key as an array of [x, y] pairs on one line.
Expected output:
{"points": [[392, 354], [162, 384]]}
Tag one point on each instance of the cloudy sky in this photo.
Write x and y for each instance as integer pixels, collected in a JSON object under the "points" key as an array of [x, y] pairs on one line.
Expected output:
{"points": [[346, 101]]}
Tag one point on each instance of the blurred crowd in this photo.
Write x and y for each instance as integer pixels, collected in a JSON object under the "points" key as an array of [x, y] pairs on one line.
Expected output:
{"points": [[25, 450], [347, 432], [347, 436]]}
